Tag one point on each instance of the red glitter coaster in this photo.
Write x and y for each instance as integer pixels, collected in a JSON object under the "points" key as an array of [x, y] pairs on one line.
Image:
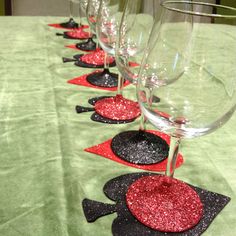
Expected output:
{"points": [[81, 80], [164, 203], [78, 34], [117, 108], [58, 26], [96, 58], [104, 150]]}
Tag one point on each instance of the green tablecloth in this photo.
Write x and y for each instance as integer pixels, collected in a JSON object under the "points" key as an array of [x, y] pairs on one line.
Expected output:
{"points": [[44, 172]]}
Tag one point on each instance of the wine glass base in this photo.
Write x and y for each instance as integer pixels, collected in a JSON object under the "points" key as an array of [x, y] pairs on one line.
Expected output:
{"points": [[140, 147], [164, 203], [89, 45], [70, 24], [104, 79], [117, 108], [81, 63]]}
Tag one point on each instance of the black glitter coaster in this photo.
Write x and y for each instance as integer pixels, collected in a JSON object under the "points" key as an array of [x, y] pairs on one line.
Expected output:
{"points": [[98, 118], [104, 79], [70, 24], [77, 59], [140, 147], [92, 101], [126, 224], [95, 116], [89, 45]]}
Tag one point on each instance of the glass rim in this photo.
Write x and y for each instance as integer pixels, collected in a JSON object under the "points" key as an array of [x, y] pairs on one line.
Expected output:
{"points": [[199, 13]]}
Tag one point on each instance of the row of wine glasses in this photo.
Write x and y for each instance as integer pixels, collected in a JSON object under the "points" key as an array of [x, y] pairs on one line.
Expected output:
{"points": [[185, 75]]}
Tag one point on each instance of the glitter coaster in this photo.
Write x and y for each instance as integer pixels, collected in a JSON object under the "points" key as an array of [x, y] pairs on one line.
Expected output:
{"points": [[103, 79], [140, 147], [97, 58], [82, 80], [87, 46], [97, 117], [67, 25], [126, 224], [104, 150], [164, 203], [93, 100], [117, 108], [70, 24], [78, 33], [92, 60]]}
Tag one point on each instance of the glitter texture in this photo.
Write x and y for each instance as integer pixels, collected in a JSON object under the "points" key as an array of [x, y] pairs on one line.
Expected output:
{"points": [[140, 147], [82, 80], [104, 150], [96, 58], [93, 100], [98, 118], [164, 203], [126, 224], [58, 26], [88, 46], [103, 79], [117, 108], [78, 33]]}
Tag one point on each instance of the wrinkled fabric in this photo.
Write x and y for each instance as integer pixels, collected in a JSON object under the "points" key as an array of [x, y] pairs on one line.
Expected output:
{"points": [[44, 171]]}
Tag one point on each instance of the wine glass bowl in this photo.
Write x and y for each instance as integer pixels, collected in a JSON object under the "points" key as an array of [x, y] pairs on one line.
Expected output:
{"points": [[108, 20], [202, 98], [135, 28], [190, 65], [91, 14]]}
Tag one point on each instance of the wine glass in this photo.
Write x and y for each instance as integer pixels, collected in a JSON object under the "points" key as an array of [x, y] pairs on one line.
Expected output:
{"points": [[88, 45], [137, 147], [104, 78], [107, 27], [71, 23], [189, 64]]}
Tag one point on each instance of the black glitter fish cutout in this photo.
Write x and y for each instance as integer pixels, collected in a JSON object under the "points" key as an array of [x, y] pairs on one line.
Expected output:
{"points": [[78, 62], [127, 225], [95, 116]]}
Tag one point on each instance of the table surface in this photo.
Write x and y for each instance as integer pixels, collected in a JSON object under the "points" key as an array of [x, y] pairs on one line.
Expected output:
{"points": [[44, 172]]}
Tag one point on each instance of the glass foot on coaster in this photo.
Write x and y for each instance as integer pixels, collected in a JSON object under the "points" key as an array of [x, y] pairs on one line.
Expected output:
{"points": [[164, 203], [140, 147], [89, 45], [70, 24], [91, 60], [196, 212], [103, 79], [127, 110], [117, 108]]}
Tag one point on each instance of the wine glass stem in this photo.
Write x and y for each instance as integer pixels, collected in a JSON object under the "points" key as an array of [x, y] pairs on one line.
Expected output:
{"points": [[172, 157], [79, 16], [120, 84], [71, 9], [142, 124], [106, 59], [143, 120]]}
